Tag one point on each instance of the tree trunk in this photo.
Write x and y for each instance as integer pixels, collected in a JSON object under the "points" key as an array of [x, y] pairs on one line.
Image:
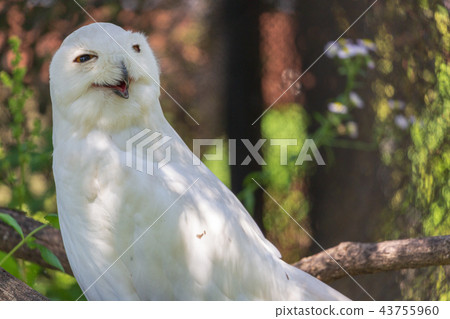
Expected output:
{"points": [[369, 258], [243, 95], [12, 289]]}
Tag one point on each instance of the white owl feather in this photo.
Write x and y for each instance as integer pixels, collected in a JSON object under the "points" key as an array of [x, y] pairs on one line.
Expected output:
{"points": [[205, 246]]}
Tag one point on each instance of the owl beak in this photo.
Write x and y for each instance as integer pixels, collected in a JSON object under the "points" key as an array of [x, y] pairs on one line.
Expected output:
{"points": [[122, 88]]}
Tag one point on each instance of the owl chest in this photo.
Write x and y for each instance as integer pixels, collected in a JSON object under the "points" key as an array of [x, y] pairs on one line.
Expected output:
{"points": [[90, 200]]}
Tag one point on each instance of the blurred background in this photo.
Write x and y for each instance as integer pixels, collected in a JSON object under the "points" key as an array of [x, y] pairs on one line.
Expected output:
{"points": [[377, 104]]}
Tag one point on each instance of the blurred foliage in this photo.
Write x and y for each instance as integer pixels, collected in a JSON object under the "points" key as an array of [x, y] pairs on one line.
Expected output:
{"points": [[412, 103], [25, 153], [285, 181], [353, 59]]}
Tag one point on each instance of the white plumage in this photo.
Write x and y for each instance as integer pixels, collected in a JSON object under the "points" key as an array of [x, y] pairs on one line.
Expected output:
{"points": [[204, 247]]}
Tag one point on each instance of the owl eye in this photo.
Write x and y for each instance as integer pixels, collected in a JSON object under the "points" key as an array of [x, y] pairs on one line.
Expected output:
{"points": [[137, 48], [84, 58]]}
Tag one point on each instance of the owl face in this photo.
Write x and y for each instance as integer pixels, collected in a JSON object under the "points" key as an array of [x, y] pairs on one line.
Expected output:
{"points": [[103, 72]]}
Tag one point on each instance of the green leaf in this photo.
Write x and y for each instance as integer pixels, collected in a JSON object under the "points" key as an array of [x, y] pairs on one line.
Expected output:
{"points": [[49, 257], [53, 220], [9, 220], [19, 74], [14, 42], [6, 79]]}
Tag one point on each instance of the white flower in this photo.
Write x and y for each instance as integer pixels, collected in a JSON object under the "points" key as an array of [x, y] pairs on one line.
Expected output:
{"points": [[346, 48], [369, 44], [356, 100], [343, 53], [371, 64], [337, 107], [331, 49], [350, 50], [401, 121], [396, 104], [352, 129]]}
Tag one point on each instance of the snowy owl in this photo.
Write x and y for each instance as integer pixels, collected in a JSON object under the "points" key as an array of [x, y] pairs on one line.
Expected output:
{"points": [[178, 234]]}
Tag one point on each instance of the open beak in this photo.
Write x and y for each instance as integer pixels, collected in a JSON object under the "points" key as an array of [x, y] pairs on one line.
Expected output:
{"points": [[121, 89]]}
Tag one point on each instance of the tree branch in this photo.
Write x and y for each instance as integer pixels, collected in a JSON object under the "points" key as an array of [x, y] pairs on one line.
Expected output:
{"points": [[49, 237], [12, 288], [368, 258]]}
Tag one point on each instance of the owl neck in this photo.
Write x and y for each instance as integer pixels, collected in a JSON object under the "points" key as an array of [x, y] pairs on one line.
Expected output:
{"points": [[123, 123]]}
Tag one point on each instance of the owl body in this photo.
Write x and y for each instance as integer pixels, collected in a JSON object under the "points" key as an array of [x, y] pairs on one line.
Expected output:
{"points": [[175, 234]]}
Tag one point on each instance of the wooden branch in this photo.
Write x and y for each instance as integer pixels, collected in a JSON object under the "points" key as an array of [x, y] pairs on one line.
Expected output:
{"points": [[12, 288], [368, 258], [49, 237]]}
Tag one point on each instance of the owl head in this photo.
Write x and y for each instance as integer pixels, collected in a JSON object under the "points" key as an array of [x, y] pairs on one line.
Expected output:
{"points": [[103, 77]]}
